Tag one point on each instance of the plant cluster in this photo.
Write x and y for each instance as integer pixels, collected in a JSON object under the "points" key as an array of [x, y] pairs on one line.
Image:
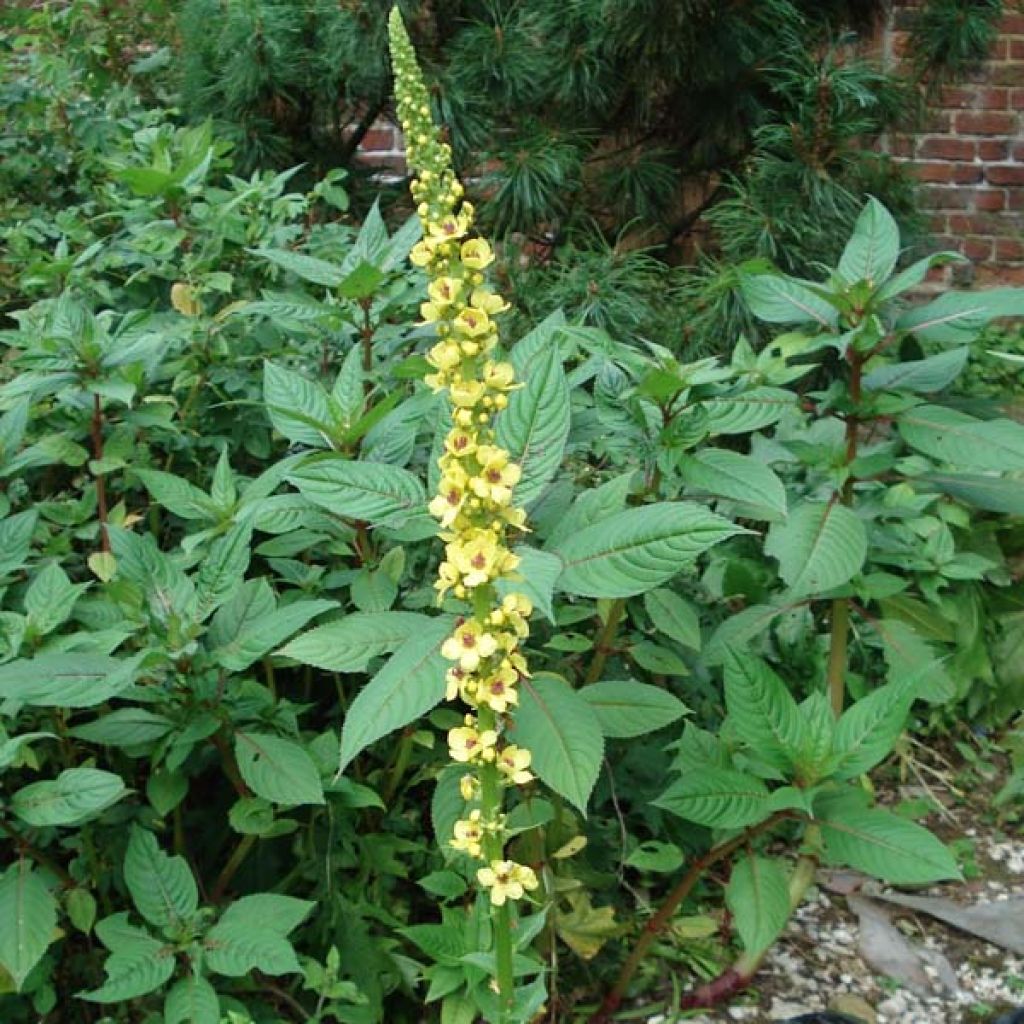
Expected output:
{"points": [[233, 423]]}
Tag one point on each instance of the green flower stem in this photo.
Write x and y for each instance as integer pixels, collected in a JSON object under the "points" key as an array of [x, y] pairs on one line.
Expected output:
{"points": [[603, 647]]}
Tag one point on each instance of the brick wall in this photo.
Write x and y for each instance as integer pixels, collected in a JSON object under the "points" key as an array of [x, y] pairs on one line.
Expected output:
{"points": [[969, 157]]}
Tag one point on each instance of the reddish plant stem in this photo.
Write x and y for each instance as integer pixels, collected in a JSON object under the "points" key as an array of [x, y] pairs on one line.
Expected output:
{"points": [[366, 339], [96, 431], [667, 910]]}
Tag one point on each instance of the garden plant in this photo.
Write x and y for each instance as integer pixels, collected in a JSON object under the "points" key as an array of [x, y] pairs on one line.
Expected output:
{"points": [[371, 651]]}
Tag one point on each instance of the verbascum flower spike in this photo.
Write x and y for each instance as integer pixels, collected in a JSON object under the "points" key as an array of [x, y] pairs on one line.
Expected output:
{"points": [[474, 503]]}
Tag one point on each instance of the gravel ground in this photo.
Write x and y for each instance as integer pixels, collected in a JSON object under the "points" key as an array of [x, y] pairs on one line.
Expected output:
{"points": [[816, 964]]}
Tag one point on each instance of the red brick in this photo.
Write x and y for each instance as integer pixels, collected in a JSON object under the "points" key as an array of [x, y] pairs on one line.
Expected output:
{"points": [[989, 123], [901, 145], [1000, 49], [975, 248], [939, 197], [991, 200], [1007, 74], [993, 149], [1018, 152], [974, 99], [1015, 199], [1016, 49], [967, 174], [933, 172], [899, 43], [1002, 275], [378, 140], [938, 122], [937, 224], [1012, 25], [1010, 249], [1005, 174], [941, 147], [1017, 99], [975, 223]]}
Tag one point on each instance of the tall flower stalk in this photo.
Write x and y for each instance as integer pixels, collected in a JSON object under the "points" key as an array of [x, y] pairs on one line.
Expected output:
{"points": [[474, 504]]}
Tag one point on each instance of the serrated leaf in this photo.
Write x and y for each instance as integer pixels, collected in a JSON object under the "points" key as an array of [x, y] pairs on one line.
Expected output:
{"points": [[758, 897], [674, 616], [192, 1001], [277, 769], [777, 299], [822, 545], [746, 412], [638, 549], [235, 950], [885, 846], [919, 375], [259, 634], [992, 493], [535, 426], [79, 680], [127, 727], [132, 974], [175, 494], [161, 887], [717, 798], [51, 597], [873, 249], [738, 478], [348, 644], [29, 915], [956, 317], [910, 657], [16, 539], [308, 268], [298, 407], [627, 709], [270, 910], [867, 731], [370, 491], [738, 629], [562, 732], [762, 711], [407, 687], [75, 796], [961, 440]]}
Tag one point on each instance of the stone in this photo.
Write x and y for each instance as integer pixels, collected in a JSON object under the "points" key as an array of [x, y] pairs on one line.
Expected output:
{"points": [[855, 1006]]}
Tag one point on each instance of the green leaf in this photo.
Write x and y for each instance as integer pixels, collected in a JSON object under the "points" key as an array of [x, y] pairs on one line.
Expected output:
{"points": [[762, 711], [235, 950], [15, 540], [75, 796], [674, 616], [361, 282], [348, 644], [178, 496], [306, 267], [872, 251], [119, 936], [638, 549], [915, 274], [223, 569], [591, 507], [867, 731], [738, 478], [81, 908], [51, 597], [259, 634], [627, 709], [537, 342], [407, 687], [778, 299], [298, 407], [132, 974], [654, 855], [822, 545], [165, 790], [911, 658], [278, 769], [992, 493], [535, 426], [538, 571], [563, 733], [348, 394], [919, 375], [371, 491], [954, 437], [192, 1001], [738, 629], [161, 887], [758, 897], [746, 412], [269, 910], [956, 317], [28, 913], [79, 680], [128, 727], [885, 846], [717, 798]]}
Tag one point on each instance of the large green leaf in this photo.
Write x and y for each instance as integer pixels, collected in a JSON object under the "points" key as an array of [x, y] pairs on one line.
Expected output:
{"points": [[758, 897], [627, 709], [563, 733], [956, 317], [176, 494], [269, 910], [673, 616], [778, 299], [537, 342], [192, 1001], [638, 549], [867, 731], [954, 437], [278, 769], [739, 478], [162, 887], [883, 845], [822, 545], [348, 644], [408, 686], [132, 974], [762, 711], [50, 598], [747, 411], [371, 491], [911, 658], [223, 569], [919, 375], [718, 798], [535, 426], [309, 268], [128, 727], [76, 795], [872, 251], [298, 407], [992, 493], [235, 949], [79, 680], [738, 629], [16, 539], [28, 919], [254, 636]]}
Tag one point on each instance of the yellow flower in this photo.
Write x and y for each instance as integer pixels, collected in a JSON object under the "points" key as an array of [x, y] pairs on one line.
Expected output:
{"points": [[421, 253], [469, 832], [444, 356], [513, 762], [460, 442], [497, 475], [466, 393], [469, 645], [477, 558], [466, 744], [476, 254], [499, 376], [487, 301], [498, 691], [444, 290], [447, 577], [473, 323], [506, 880], [469, 787], [429, 312]]}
